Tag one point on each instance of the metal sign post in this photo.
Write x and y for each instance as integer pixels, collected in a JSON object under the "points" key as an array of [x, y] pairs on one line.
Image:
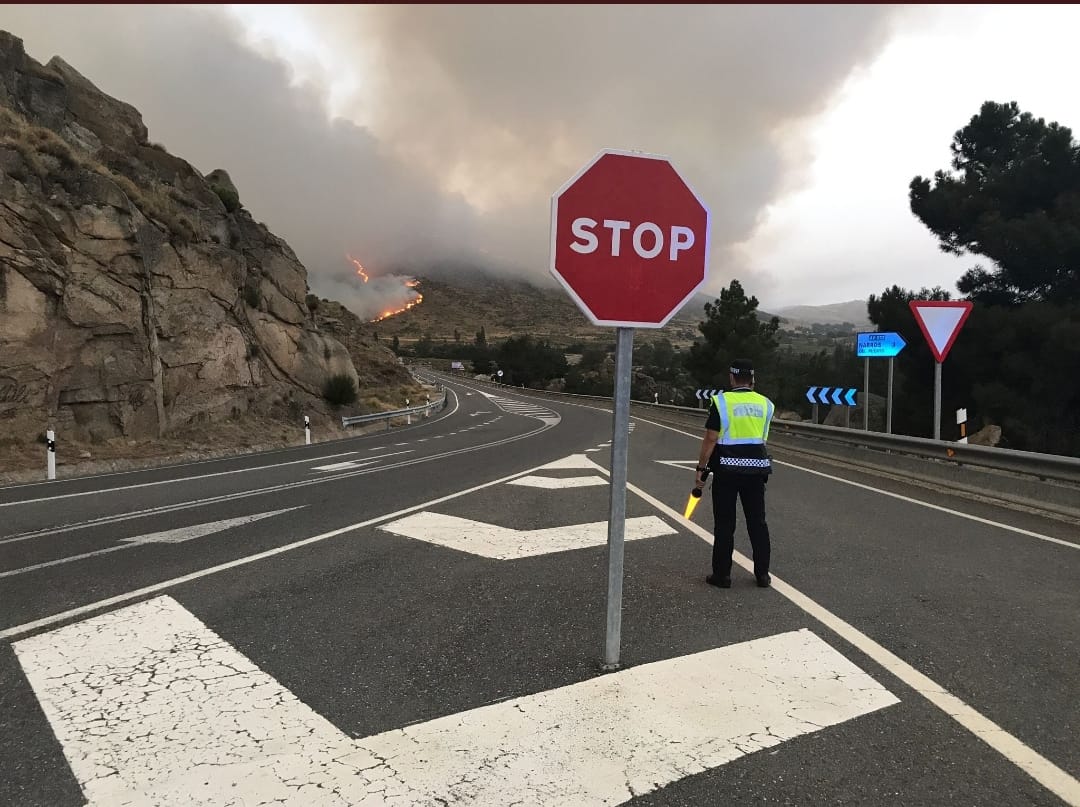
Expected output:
{"points": [[866, 395], [888, 403], [629, 243], [620, 440], [937, 400], [940, 322], [876, 345]]}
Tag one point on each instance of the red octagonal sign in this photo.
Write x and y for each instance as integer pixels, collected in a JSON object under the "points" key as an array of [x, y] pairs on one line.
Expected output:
{"points": [[629, 240]]}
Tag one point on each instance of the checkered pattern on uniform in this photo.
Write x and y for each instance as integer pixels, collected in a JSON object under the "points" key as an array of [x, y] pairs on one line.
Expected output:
{"points": [[744, 462]]}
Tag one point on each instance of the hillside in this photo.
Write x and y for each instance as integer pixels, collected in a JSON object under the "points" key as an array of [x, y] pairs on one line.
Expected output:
{"points": [[139, 298], [464, 302], [853, 311]]}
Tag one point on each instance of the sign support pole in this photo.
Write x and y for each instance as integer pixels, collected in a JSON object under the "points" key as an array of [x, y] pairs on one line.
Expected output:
{"points": [[620, 440], [813, 417], [937, 400], [866, 394], [888, 405]]}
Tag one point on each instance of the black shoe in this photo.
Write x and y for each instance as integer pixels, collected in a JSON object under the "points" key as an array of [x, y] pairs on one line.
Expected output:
{"points": [[719, 582], [764, 581]]}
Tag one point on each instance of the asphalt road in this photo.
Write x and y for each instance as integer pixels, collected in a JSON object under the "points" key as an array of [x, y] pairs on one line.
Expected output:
{"points": [[430, 601]]}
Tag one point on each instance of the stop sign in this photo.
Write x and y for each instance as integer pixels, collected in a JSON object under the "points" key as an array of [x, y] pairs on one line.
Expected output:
{"points": [[629, 240]]}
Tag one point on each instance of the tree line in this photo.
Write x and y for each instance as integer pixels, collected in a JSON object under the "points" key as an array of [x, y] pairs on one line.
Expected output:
{"points": [[1011, 197]]}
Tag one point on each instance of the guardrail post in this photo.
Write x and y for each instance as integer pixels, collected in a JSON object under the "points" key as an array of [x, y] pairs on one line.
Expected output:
{"points": [[50, 454]]}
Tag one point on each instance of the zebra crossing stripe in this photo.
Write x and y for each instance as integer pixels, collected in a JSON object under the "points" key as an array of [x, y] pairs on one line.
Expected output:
{"points": [[525, 408], [153, 707]]}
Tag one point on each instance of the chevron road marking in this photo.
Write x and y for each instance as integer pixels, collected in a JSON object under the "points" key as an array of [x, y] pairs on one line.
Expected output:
{"points": [[556, 483], [506, 543], [153, 707]]}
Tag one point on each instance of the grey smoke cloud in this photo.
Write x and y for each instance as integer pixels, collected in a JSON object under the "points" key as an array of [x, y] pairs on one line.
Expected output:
{"points": [[469, 117]]}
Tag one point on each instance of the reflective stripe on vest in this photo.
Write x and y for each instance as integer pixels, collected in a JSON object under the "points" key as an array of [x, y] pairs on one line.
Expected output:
{"points": [[744, 418]]}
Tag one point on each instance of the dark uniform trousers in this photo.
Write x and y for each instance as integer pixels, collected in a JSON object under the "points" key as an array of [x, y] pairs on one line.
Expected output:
{"points": [[750, 488]]}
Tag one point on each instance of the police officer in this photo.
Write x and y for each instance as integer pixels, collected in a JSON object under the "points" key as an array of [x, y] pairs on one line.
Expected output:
{"points": [[734, 451]]}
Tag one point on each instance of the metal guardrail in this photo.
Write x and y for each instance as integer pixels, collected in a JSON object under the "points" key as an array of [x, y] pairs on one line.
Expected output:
{"points": [[424, 409], [1028, 463]]}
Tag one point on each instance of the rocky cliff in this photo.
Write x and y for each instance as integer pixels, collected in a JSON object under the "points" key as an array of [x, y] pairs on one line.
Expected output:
{"points": [[136, 295]]}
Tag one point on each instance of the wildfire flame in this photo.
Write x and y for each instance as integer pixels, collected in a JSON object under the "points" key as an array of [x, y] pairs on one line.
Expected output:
{"points": [[359, 268], [411, 283], [411, 304]]}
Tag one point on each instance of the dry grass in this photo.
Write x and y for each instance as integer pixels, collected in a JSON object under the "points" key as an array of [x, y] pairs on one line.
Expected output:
{"points": [[31, 142]]}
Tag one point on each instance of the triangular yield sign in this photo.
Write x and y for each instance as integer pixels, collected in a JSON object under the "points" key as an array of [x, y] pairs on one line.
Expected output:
{"points": [[940, 321]]}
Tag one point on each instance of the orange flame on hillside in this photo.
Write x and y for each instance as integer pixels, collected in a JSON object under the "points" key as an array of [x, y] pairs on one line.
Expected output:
{"points": [[411, 304], [359, 268]]}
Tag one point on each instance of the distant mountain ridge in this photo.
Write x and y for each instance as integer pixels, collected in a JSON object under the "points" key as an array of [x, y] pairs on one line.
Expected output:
{"points": [[459, 300], [853, 311]]}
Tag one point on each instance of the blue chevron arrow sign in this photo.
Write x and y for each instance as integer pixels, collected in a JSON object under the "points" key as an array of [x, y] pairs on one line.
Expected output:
{"points": [[706, 394], [834, 396]]}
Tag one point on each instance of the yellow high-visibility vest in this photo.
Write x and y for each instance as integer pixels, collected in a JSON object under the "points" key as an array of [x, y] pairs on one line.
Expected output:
{"points": [[745, 416]]}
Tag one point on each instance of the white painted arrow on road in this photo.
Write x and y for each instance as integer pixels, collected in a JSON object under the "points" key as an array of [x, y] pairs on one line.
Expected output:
{"points": [[506, 543], [176, 536], [153, 707]]}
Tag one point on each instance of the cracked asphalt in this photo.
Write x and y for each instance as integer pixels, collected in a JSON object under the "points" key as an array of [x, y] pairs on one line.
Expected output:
{"points": [[384, 638]]}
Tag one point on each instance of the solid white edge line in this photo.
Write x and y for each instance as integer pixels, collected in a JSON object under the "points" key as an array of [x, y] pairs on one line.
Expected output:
{"points": [[172, 481], [1042, 770], [903, 498], [28, 627]]}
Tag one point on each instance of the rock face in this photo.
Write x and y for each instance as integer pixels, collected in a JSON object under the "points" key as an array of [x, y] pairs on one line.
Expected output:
{"points": [[135, 294]]}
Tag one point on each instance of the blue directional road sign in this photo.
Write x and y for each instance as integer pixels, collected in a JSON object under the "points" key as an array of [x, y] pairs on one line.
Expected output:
{"points": [[879, 345], [706, 394], [835, 396]]}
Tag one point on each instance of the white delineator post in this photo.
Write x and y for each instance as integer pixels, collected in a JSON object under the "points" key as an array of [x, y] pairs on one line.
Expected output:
{"points": [[50, 453], [408, 416], [307, 430], [961, 421]]}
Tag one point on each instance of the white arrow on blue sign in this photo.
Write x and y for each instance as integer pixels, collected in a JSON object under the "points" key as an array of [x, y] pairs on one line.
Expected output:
{"points": [[836, 396], [879, 345], [705, 394]]}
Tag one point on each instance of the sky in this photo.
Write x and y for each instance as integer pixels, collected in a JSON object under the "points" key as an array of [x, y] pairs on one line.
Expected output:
{"points": [[424, 138]]}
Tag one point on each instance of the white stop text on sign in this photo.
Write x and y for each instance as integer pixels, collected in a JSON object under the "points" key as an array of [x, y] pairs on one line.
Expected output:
{"points": [[647, 239]]}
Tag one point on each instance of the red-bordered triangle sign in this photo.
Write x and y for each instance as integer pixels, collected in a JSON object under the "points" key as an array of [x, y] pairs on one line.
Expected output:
{"points": [[940, 321]]}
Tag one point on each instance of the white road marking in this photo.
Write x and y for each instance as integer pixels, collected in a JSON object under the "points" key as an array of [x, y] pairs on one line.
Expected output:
{"points": [[1042, 770], [557, 483], [63, 616], [574, 462], [341, 466], [506, 543], [267, 490], [592, 450], [678, 463], [175, 536], [938, 507], [153, 707], [526, 408], [173, 481], [908, 499], [350, 464]]}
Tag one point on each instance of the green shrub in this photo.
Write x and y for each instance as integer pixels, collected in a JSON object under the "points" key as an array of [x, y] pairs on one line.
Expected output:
{"points": [[339, 390], [228, 197], [312, 302], [252, 296]]}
